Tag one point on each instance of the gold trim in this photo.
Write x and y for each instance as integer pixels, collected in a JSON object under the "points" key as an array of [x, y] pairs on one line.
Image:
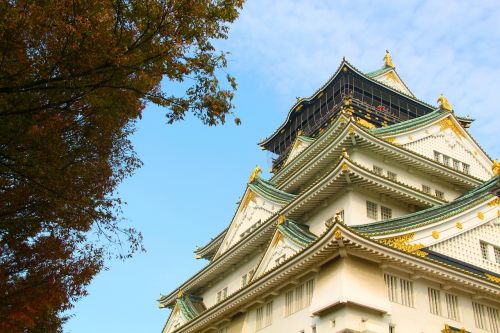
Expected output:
{"points": [[492, 278], [459, 225], [435, 234], [365, 123], [351, 130], [403, 243], [480, 215], [447, 123], [338, 234], [494, 202], [246, 200], [281, 219], [345, 167]]}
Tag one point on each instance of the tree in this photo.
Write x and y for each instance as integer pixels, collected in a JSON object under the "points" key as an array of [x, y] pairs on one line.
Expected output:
{"points": [[75, 76]]}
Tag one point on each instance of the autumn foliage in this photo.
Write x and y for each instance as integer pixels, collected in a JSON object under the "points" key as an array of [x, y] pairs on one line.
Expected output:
{"points": [[74, 78]]}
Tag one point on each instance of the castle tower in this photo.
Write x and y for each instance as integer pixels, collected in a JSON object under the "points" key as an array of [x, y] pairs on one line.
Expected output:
{"points": [[382, 215]]}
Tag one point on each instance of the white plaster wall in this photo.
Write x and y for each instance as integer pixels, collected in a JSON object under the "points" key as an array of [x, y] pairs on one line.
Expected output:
{"points": [[405, 174], [356, 280], [425, 141], [230, 279]]}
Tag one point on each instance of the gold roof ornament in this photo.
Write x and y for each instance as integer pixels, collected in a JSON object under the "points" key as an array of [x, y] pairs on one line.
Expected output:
{"points": [[495, 168], [180, 294], [281, 219], [444, 104], [255, 174], [388, 60]]}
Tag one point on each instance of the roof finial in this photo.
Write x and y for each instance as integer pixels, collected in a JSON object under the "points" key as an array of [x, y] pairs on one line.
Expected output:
{"points": [[388, 60], [255, 174], [444, 104]]}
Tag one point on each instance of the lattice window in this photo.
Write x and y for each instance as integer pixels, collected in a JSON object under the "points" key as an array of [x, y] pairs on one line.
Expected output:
{"points": [[456, 164], [392, 287], [496, 250], [437, 156], [426, 189], [299, 297], [479, 315], [465, 168], [452, 307], [493, 319], [484, 250], [434, 301], [386, 213], [269, 314], [264, 316], [309, 285], [392, 175], [371, 210], [221, 294], [289, 303], [439, 194], [406, 292], [377, 170], [446, 160], [486, 318]]}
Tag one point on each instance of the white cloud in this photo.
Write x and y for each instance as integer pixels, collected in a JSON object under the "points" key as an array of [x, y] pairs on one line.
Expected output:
{"points": [[453, 47]]}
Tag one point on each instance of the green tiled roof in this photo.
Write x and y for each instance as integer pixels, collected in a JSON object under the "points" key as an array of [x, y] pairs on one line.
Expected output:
{"points": [[269, 191], [409, 124], [296, 232], [431, 215], [382, 70], [190, 306]]}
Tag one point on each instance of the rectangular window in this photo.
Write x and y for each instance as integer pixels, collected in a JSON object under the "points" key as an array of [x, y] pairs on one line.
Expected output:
{"points": [[386, 213], [434, 301], [264, 316], [309, 285], [437, 156], [392, 176], [244, 281], [406, 292], [484, 250], [497, 254], [221, 295], [289, 303], [466, 168], [479, 315], [371, 210], [446, 160], [299, 297], [456, 164], [493, 319], [439, 194], [269, 313], [392, 287], [392, 329], [377, 170], [259, 318], [452, 307], [426, 189]]}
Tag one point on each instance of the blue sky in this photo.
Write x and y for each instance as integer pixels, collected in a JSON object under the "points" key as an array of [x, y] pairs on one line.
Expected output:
{"points": [[193, 175]]}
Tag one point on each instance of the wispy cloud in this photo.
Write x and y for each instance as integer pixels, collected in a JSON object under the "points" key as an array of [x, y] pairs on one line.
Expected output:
{"points": [[449, 47]]}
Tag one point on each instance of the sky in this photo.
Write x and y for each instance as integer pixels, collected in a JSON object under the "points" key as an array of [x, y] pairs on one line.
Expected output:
{"points": [[193, 175]]}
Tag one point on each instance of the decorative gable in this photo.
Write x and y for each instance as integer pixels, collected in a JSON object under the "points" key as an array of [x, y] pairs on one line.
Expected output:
{"points": [[260, 201], [186, 308], [290, 237], [301, 143], [391, 78]]}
